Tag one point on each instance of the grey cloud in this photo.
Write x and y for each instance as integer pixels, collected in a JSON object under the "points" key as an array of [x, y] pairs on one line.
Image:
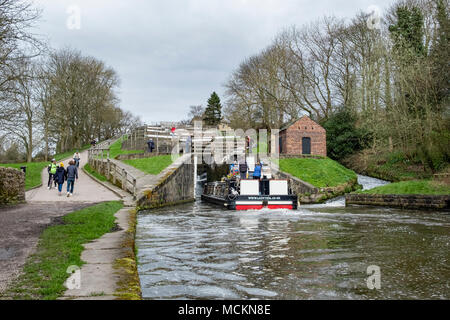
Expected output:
{"points": [[172, 54]]}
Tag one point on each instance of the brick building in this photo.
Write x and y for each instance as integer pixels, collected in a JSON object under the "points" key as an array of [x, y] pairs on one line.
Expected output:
{"points": [[303, 136]]}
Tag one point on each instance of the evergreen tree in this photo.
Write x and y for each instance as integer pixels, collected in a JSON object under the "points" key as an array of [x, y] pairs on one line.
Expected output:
{"points": [[343, 137], [408, 32], [213, 112], [440, 53]]}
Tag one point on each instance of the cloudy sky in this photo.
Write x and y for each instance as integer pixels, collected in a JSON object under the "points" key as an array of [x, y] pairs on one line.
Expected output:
{"points": [[174, 53]]}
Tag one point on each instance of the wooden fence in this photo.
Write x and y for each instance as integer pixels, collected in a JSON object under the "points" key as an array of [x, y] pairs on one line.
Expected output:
{"points": [[100, 161]]}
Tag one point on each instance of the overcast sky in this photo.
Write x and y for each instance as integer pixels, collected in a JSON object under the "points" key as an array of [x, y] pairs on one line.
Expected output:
{"points": [[174, 53]]}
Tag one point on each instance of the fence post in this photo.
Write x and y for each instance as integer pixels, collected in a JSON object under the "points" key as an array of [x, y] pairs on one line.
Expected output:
{"points": [[114, 173], [108, 169], [124, 180]]}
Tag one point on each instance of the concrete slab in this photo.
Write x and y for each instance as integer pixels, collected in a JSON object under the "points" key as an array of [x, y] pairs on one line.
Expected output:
{"points": [[103, 256], [96, 298], [96, 279]]}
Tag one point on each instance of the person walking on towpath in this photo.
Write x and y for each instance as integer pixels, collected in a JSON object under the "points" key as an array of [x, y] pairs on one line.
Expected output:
{"points": [[60, 177], [51, 173], [77, 158], [72, 174]]}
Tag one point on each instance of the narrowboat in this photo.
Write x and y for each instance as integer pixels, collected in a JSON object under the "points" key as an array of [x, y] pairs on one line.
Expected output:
{"points": [[236, 194]]}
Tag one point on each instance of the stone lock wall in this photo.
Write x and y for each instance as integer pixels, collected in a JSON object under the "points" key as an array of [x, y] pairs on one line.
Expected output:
{"points": [[175, 186], [430, 202], [305, 127], [12, 186]]}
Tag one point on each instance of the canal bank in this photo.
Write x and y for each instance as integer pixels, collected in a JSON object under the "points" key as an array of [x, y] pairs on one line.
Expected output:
{"points": [[111, 260]]}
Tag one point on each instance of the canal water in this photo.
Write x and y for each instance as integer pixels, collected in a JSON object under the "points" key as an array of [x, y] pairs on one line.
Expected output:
{"points": [[199, 251]]}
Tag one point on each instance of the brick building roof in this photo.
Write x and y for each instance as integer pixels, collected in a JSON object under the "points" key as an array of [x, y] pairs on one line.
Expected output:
{"points": [[303, 119]]}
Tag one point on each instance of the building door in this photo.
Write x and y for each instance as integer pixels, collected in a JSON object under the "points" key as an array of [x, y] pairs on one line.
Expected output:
{"points": [[306, 145]]}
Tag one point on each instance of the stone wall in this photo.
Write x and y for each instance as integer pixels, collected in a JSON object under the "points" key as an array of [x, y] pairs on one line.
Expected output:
{"points": [[430, 202], [175, 185], [12, 186]]}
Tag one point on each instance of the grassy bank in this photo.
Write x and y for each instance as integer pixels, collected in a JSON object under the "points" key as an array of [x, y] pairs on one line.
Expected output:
{"points": [[153, 165], [34, 170], [94, 173], [116, 149], [318, 172], [391, 166], [428, 187], [59, 247]]}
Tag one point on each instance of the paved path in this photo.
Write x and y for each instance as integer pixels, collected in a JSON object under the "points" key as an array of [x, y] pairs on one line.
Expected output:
{"points": [[22, 225], [86, 189]]}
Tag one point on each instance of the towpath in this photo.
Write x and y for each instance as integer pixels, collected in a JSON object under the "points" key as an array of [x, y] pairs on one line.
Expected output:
{"points": [[22, 225], [86, 189]]}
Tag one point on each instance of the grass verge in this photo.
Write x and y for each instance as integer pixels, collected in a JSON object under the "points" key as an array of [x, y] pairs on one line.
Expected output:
{"points": [[59, 247], [153, 165], [116, 149], [428, 187], [318, 172], [94, 173], [33, 176]]}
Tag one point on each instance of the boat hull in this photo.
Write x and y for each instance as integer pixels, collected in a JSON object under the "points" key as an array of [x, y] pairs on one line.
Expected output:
{"points": [[253, 202]]}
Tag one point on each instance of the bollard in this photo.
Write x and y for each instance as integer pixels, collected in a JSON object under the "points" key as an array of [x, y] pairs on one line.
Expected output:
{"points": [[134, 188]]}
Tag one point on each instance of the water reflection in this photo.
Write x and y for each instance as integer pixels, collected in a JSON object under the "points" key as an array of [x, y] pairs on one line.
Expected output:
{"points": [[197, 251]]}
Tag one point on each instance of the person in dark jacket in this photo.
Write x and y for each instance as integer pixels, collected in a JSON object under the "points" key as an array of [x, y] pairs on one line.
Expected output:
{"points": [[151, 145], [60, 176], [72, 174], [243, 170], [257, 171]]}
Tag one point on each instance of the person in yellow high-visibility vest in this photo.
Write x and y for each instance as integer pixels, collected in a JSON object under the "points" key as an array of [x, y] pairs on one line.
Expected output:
{"points": [[51, 173]]}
